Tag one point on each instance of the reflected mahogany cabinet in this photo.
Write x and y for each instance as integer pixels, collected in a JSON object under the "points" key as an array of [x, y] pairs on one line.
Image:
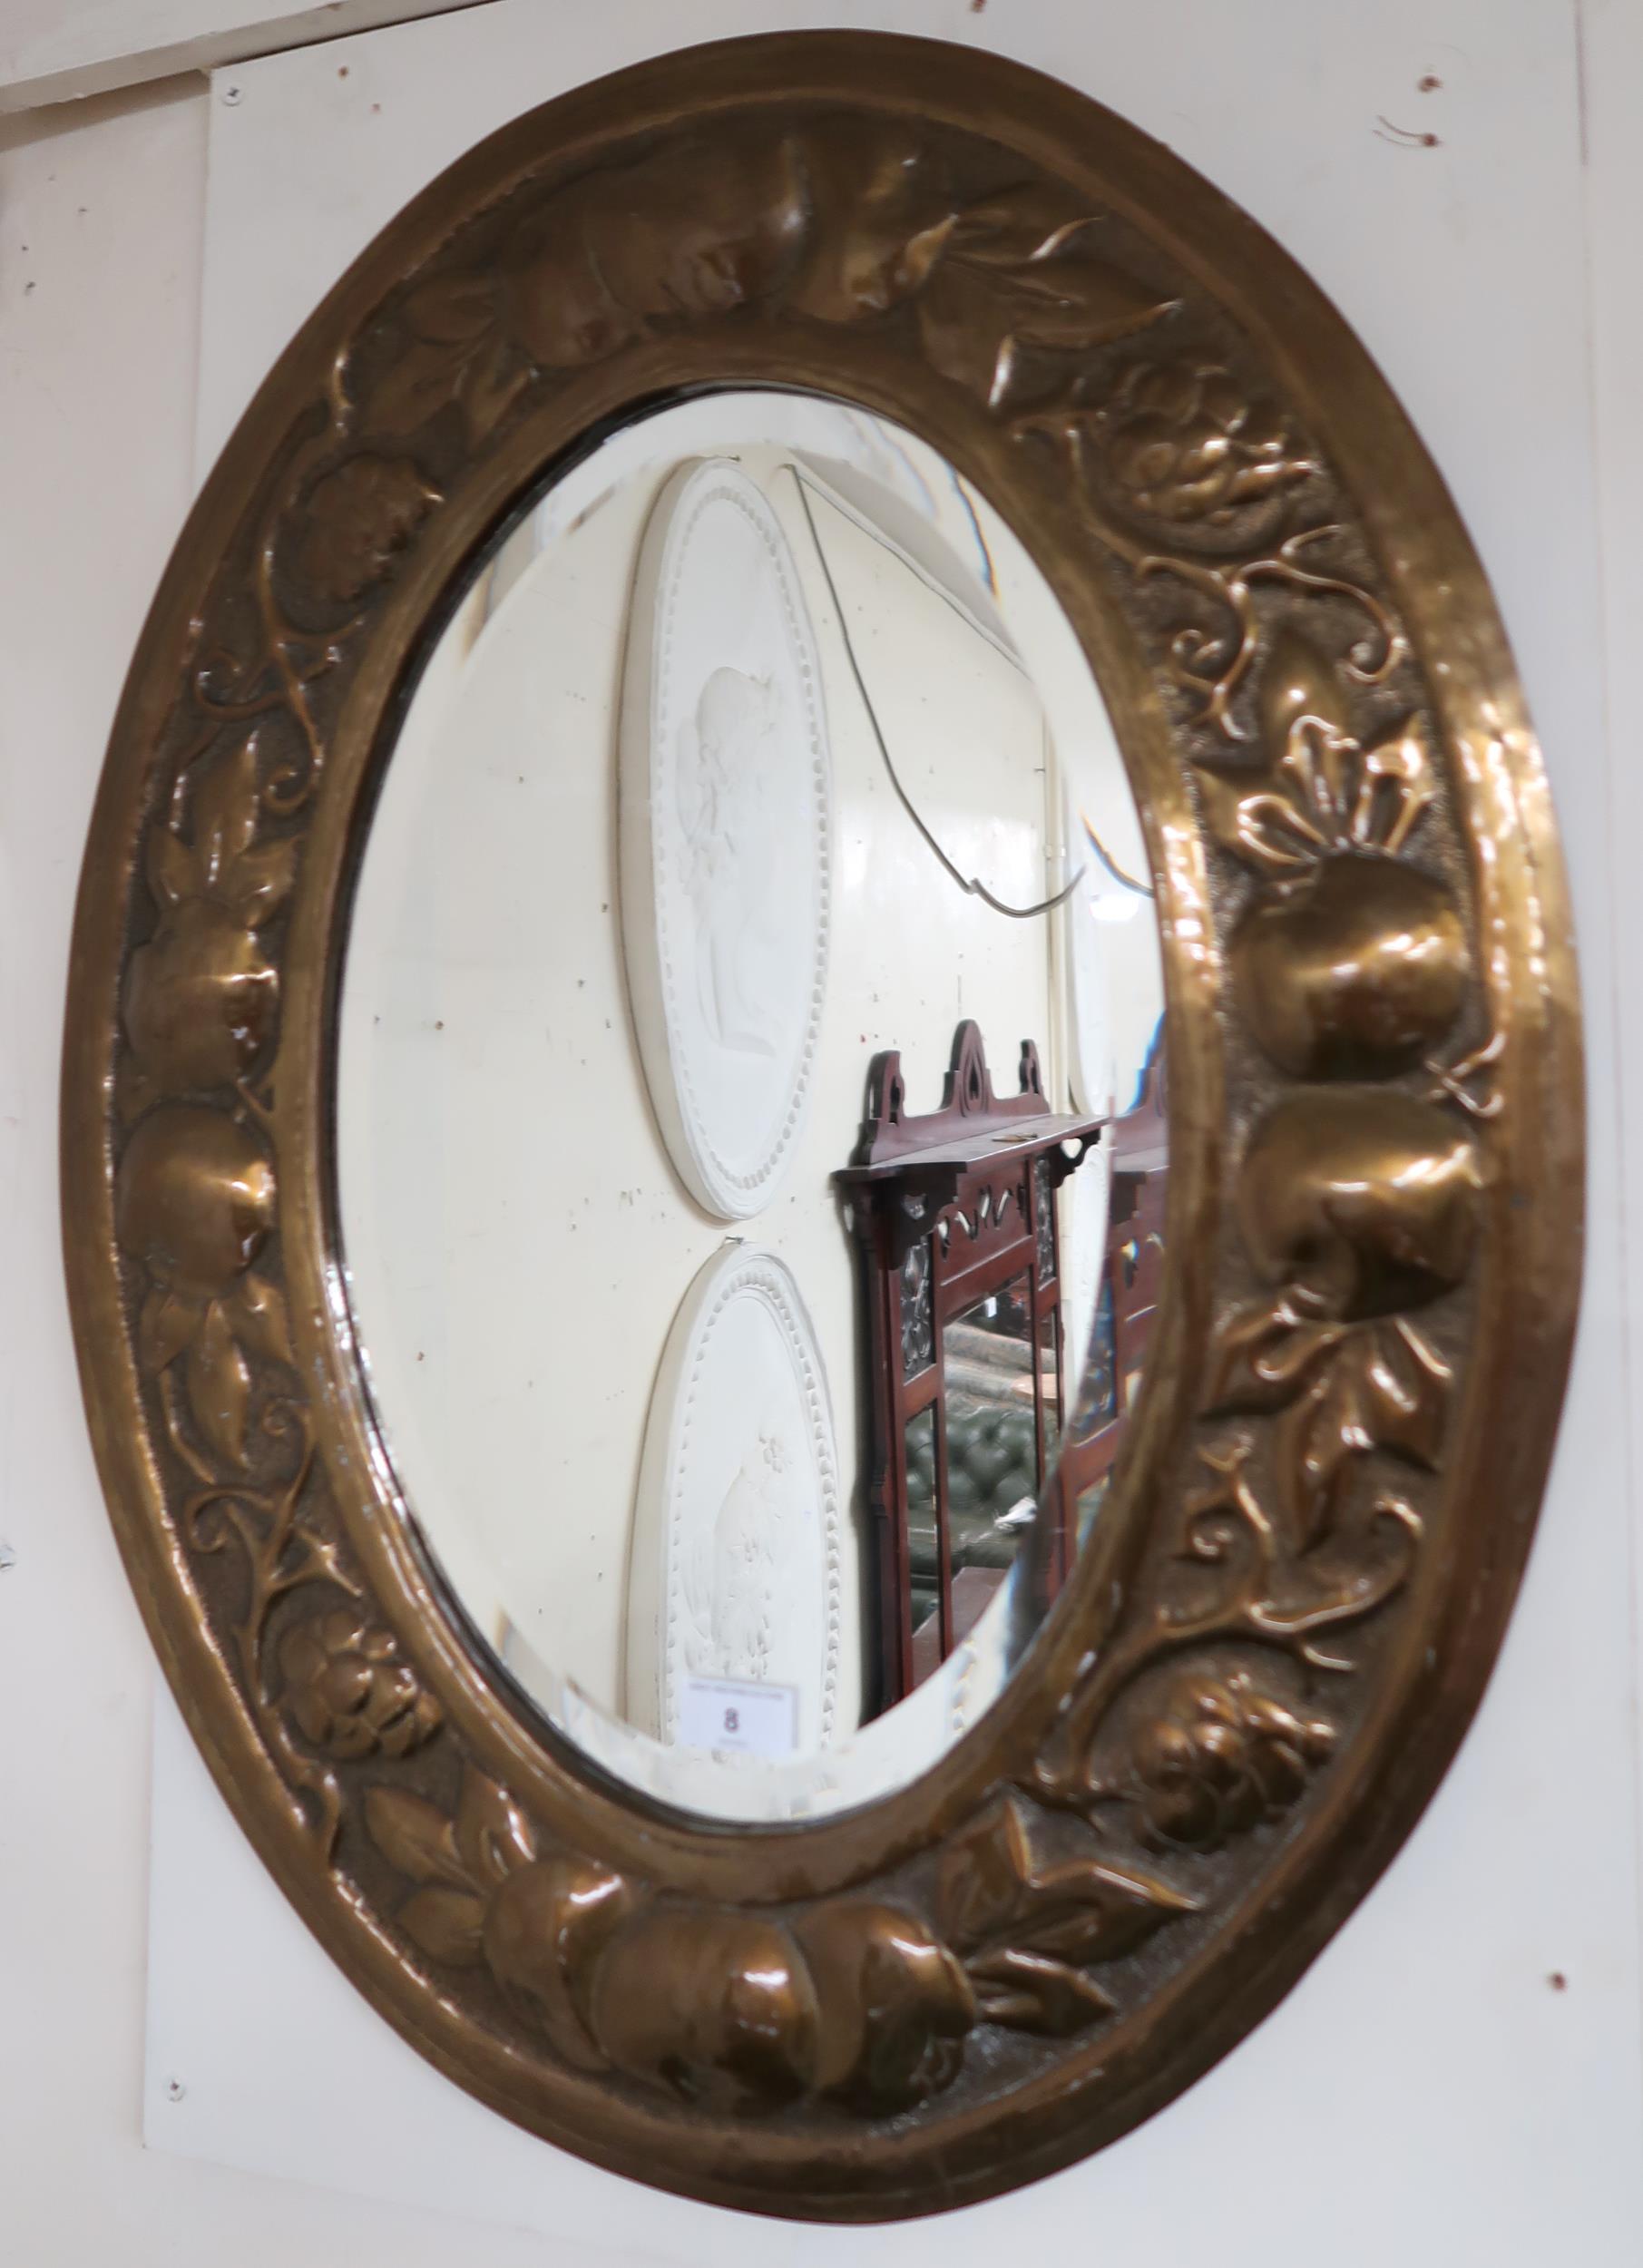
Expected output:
{"points": [[954, 1215]]}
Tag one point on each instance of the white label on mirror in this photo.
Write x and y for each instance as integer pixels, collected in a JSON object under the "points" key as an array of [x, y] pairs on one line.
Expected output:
{"points": [[735, 1715]]}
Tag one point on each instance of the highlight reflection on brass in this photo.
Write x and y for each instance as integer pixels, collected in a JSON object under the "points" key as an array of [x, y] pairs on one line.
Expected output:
{"points": [[1375, 1198]]}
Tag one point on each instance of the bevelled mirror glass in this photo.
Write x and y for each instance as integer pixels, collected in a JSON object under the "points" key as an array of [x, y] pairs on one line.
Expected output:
{"points": [[754, 766], [822, 1155]]}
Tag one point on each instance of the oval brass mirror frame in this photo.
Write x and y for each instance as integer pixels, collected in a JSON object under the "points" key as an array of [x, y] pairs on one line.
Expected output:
{"points": [[1297, 1583]]}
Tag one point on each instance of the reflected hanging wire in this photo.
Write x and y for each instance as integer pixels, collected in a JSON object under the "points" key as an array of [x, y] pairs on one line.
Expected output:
{"points": [[972, 887], [1126, 882]]}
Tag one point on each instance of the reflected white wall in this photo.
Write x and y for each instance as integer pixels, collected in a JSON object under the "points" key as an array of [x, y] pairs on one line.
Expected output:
{"points": [[517, 1240]]}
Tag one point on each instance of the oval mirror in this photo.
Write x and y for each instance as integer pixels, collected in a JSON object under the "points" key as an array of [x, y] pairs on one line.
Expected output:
{"points": [[751, 1151], [821, 1574]]}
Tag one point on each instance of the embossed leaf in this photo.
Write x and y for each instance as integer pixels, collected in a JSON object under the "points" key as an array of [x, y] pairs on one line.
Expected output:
{"points": [[878, 219], [1319, 770], [1086, 1911], [979, 1887], [1030, 1993], [452, 309], [416, 1837], [1385, 1388], [1312, 1443], [1032, 221], [981, 324], [1297, 682], [169, 1321], [492, 1833], [419, 384], [218, 1384], [491, 384], [226, 811], [1395, 787], [258, 1309], [448, 1924], [1267, 829], [1406, 1386], [359, 517], [260, 880], [876, 267], [171, 867], [1263, 1356]]}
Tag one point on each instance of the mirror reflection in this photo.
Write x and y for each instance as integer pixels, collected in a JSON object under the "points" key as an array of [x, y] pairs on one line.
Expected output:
{"points": [[752, 1139]]}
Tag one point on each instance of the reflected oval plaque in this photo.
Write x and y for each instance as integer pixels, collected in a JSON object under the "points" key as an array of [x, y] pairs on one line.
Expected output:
{"points": [[724, 810], [735, 1577]]}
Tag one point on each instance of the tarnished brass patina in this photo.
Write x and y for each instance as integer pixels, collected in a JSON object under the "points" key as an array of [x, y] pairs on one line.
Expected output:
{"points": [[1268, 1652]]}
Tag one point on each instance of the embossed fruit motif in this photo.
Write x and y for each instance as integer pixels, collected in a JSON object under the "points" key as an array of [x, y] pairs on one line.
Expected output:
{"points": [[1356, 972], [854, 1999], [1357, 1204], [194, 1199], [201, 996], [541, 1933], [1360, 1200], [356, 520], [716, 2005], [194, 1202], [841, 223], [1352, 962], [895, 2006]]}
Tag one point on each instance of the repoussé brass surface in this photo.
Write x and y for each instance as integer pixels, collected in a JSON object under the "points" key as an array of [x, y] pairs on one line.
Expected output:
{"points": [[1290, 1602]]}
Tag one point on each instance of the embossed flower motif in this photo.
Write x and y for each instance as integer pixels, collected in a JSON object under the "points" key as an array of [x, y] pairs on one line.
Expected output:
{"points": [[1218, 1757], [1186, 447], [349, 1691], [358, 519]]}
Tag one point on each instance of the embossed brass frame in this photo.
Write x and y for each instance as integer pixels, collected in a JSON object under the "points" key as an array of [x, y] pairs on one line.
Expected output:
{"points": [[1297, 1586]]}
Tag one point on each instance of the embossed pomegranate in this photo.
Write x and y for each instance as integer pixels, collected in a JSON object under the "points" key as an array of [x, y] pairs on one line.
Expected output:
{"points": [[544, 1932], [895, 2005], [641, 244], [194, 1199], [716, 2005], [1363, 1198], [1358, 972], [200, 997]]}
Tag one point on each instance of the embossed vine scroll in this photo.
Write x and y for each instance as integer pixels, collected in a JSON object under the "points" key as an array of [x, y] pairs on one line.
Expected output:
{"points": [[1311, 1542]]}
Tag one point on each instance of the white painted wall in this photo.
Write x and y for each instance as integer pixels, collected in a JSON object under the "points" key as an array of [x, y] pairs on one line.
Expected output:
{"points": [[1426, 2096], [60, 51]]}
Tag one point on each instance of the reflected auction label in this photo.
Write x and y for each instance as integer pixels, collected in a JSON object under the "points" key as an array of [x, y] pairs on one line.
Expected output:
{"points": [[733, 1713]]}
